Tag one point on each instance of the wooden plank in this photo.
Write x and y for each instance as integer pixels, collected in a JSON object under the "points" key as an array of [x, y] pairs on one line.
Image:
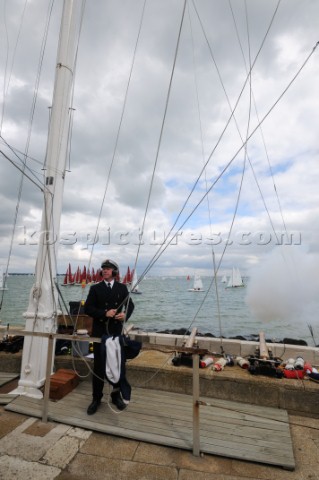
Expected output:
{"points": [[145, 422], [165, 418], [196, 420], [250, 429], [7, 377], [5, 398], [155, 424]]}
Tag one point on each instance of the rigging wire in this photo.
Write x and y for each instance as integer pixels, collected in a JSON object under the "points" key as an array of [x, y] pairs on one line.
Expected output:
{"points": [[247, 132], [159, 141], [161, 133], [160, 136], [44, 39], [16, 151], [208, 202], [6, 86], [246, 152], [270, 169], [108, 177], [263, 140], [47, 209], [244, 145], [260, 122], [163, 247], [6, 63], [267, 157], [24, 166], [161, 250], [40, 186], [70, 134], [118, 131], [248, 73], [214, 279]]}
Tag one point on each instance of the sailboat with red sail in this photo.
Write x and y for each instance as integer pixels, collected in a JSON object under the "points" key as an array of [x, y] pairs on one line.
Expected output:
{"points": [[68, 278], [127, 279]]}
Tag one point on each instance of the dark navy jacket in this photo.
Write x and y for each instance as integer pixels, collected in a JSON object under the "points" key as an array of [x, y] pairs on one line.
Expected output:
{"points": [[99, 300]]}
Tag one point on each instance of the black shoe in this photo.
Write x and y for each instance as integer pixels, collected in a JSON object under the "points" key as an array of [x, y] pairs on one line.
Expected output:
{"points": [[117, 400], [93, 407]]}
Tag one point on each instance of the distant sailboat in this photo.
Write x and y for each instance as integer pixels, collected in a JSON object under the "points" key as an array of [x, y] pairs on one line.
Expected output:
{"points": [[127, 279], [135, 285], [2, 280], [235, 279], [224, 279], [198, 284], [77, 277], [68, 278]]}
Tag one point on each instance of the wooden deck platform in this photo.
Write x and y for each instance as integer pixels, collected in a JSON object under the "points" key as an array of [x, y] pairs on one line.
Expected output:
{"points": [[7, 377], [230, 429], [5, 380]]}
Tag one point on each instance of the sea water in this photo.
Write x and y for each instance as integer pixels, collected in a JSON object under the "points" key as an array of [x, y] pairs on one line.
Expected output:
{"points": [[166, 304]]}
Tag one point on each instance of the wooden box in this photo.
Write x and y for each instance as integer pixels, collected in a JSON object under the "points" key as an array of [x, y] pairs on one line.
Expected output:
{"points": [[62, 382]]}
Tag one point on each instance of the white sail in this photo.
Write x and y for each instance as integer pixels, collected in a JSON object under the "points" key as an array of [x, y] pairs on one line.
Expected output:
{"points": [[135, 285], [198, 284], [224, 279], [2, 280], [235, 279]]}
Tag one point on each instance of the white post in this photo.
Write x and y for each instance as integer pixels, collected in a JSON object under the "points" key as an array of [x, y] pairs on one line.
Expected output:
{"points": [[42, 310]]}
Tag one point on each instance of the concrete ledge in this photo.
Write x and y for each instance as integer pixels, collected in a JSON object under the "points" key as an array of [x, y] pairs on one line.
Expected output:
{"points": [[232, 347]]}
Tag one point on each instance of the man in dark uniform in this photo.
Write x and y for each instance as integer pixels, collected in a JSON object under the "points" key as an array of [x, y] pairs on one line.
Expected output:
{"points": [[109, 305]]}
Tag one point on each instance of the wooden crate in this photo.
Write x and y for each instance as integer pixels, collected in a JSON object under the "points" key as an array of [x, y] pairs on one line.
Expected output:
{"points": [[62, 382]]}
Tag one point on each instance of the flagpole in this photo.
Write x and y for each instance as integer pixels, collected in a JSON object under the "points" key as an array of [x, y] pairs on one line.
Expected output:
{"points": [[42, 312]]}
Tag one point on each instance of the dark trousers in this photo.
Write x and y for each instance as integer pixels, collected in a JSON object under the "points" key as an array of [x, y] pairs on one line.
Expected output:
{"points": [[99, 375], [98, 372], [98, 378]]}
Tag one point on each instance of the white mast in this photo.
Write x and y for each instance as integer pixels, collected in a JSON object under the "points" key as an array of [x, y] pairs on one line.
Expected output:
{"points": [[42, 312]]}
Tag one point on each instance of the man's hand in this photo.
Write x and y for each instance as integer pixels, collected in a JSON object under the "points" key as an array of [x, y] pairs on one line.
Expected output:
{"points": [[120, 317]]}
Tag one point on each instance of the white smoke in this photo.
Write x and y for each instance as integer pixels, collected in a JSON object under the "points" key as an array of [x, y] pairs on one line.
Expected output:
{"points": [[285, 287]]}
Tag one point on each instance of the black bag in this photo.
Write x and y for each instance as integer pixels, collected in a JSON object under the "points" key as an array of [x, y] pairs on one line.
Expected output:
{"points": [[131, 347]]}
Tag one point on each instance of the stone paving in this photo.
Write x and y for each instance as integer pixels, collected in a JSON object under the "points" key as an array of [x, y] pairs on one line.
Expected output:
{"points": [[30, 449]]}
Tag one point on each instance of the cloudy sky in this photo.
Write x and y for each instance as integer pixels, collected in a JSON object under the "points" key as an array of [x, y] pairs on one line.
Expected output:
{"points": [[162, 119]]}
